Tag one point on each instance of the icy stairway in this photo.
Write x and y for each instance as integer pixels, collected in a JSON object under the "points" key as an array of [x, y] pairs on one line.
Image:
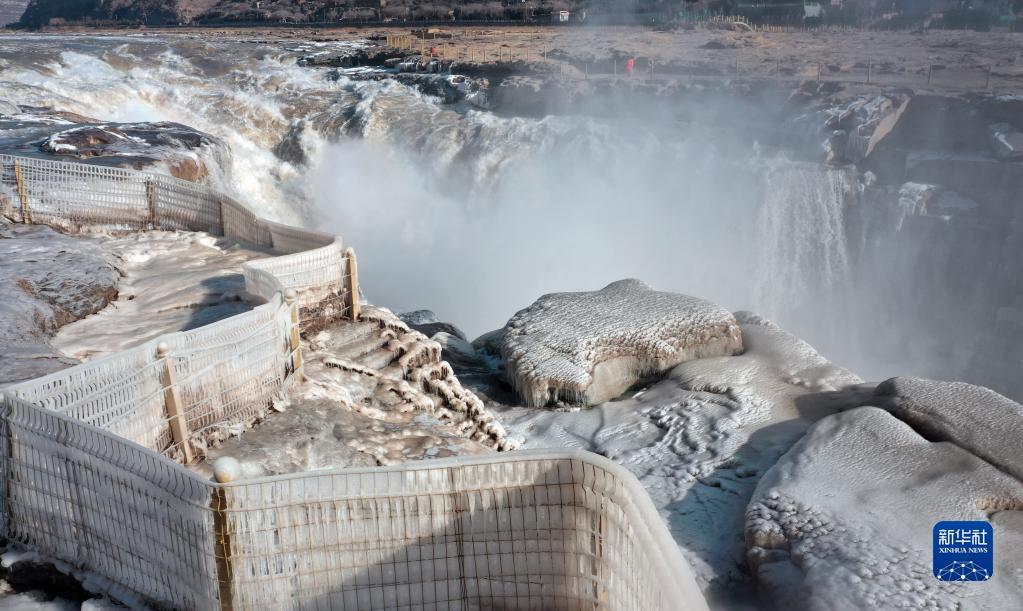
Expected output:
{"points": [[385, 369]]}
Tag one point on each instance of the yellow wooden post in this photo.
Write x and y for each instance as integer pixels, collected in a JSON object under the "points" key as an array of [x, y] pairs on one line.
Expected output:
{"points": [[291, 298], [172, 400], [353, 282], [19, 179]]}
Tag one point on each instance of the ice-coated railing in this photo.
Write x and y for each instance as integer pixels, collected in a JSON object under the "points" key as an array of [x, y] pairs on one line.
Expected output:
{"points": [[215, 377], [88, 474]]}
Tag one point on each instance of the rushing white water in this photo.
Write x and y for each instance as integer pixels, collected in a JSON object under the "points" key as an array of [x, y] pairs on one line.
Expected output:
{"points": [[459, 210], [803, 253]]}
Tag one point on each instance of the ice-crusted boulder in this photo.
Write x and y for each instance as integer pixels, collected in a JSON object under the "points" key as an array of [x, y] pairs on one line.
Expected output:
{"points": [[844, 519], [47, 280], [587, 348], [167, 148], [975, 418]]}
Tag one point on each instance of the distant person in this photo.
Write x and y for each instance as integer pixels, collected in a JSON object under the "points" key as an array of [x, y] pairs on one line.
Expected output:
{"points": [[630, 65]]}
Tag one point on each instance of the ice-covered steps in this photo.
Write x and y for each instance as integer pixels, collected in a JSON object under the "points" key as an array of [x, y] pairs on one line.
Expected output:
{"points": [[383, 367]]}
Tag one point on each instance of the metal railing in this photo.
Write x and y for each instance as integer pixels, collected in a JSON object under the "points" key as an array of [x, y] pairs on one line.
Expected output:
{"points": [[89, 471]]}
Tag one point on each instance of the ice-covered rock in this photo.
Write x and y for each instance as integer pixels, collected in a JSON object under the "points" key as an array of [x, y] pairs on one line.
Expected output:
{"points": [[47, 280], [590, 347], [455, 348], [700, 439], [844, 520], [138, 144], [427, 323], [169, 148], [418, 317], [974, 418]]}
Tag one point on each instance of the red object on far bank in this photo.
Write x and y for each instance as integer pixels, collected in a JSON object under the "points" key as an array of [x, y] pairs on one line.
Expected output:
{"points": [[629, 65]]}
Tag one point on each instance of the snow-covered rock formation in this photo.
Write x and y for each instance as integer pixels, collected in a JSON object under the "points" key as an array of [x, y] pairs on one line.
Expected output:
{"points": [[47, 280], [169, 148], [590, 347], [844, 519], [974, 418], [700, 439]]}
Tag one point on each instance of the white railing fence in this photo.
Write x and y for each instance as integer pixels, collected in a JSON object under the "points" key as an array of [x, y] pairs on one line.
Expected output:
{"points": [[90, 472]]}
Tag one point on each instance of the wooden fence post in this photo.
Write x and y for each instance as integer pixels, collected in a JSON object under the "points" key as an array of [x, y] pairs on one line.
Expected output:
{"points": [[222, 547], [294, 341], [151, 200], [172, 400], [353, 281], [19, 179]]}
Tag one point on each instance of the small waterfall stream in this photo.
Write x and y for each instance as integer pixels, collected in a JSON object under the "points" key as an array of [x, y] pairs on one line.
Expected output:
{"points": [[803, 264]]}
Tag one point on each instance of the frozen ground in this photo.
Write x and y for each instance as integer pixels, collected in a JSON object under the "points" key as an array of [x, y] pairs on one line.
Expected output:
{"points": [[170, 281], [760, 511], [358, 407], [376, 392], [822, 520], [355, 409], [844, 519], [700, 439], [47, 279]]}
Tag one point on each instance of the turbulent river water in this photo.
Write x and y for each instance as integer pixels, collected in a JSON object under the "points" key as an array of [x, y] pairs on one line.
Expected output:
{"points": [[470, 213]]}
